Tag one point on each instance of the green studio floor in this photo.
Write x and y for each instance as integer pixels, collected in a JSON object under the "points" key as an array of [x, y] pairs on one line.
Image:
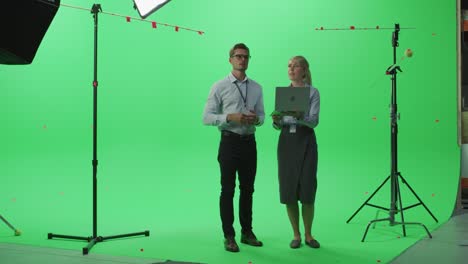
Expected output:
{"points": [[448, 245], [181, 212]]}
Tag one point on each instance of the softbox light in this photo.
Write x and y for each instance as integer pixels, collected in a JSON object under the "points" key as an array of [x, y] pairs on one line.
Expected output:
{"points": [[147, 7], [23, 24]]}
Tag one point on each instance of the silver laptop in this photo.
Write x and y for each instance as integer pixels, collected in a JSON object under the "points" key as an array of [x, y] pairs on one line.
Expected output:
{"points": [[292, 99]]}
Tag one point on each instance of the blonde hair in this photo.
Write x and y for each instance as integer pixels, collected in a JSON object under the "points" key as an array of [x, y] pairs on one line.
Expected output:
{"points": [[305, 65]]}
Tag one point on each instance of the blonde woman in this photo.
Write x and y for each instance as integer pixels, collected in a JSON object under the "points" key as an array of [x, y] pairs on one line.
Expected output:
{"points": [[298, 157]]}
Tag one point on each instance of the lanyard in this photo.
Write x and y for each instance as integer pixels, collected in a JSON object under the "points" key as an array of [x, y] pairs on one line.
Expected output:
{"points": [[240, 92]]}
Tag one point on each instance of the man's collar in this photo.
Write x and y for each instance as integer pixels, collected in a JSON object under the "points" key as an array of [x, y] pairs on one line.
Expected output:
{"points": [[233, 78]]}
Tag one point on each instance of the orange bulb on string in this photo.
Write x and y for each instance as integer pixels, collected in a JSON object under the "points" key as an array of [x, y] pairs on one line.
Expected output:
{"points": [[408, 53]]}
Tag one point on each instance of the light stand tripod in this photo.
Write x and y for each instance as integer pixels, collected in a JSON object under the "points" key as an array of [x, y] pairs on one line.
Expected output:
{"points": [[95, 238], [395, 174]]}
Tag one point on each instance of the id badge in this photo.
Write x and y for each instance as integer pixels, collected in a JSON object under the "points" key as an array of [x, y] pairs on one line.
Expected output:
{"points": [[292, 128]]}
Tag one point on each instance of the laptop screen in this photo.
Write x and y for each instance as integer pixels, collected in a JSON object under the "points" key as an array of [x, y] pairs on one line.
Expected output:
{"points": [[292, 99]]}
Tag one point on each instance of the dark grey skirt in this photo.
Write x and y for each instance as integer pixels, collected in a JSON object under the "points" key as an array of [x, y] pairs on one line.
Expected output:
{"points": [[297, 165]]}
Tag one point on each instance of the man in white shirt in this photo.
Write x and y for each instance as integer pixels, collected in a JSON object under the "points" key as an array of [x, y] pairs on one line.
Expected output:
{"points": [[235, 106]]}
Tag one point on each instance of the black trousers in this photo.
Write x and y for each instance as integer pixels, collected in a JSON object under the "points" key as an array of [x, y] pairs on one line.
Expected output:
{"points": [[237, 154]]}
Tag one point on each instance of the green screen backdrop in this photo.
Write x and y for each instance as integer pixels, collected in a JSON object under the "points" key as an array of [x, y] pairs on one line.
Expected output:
{"points": [[157, 162]]}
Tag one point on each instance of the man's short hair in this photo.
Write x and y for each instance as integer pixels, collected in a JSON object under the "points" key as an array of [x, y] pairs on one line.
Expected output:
{"points": [[238, 46]]}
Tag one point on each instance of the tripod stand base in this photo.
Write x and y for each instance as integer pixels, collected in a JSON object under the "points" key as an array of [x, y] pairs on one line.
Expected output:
{"points": [[394, 209], [94, 240], [395, 223]]}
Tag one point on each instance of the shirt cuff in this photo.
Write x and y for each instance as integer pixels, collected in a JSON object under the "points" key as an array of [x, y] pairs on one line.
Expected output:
{"points": [[223, 119]]}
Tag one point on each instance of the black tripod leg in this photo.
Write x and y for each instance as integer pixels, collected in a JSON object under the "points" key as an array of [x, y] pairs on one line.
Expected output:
{"points": [[376, 217], [417, 197], [401, 207], [427, 231], [419, 224], [17, 232], [370, 223], [144, 233], [51, 236], [7, 223], [368, 199], [91, 243]]}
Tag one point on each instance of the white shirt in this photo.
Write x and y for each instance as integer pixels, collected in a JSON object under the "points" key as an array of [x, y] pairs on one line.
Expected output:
{"points": [[225, 98]]}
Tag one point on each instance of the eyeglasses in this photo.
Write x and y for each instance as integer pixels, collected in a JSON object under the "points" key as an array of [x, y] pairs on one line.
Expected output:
{"points": [[241, 56]]}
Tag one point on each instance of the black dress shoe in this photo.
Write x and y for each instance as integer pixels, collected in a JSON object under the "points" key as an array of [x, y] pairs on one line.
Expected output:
{"points": [[295, 243], [231, 245], [313, 243], [251, 239]]}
